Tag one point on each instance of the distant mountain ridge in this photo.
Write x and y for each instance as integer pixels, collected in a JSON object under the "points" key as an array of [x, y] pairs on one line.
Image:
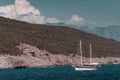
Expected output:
{"points": [[110, 32], [55, 39]]}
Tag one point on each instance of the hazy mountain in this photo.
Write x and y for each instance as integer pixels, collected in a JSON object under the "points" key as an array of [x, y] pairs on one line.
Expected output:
{"points": [[57, 24], [110, 32], [56, 39], [62, 24]]}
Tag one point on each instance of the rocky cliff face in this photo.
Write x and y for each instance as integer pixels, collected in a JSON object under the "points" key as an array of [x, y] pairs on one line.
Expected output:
{"points": [[33, 57]]}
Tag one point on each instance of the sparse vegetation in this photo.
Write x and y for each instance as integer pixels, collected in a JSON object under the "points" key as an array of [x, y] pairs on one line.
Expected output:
{"points": [[57, 40]]}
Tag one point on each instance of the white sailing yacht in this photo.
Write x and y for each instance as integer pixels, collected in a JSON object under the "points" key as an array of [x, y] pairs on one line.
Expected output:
{"points": [[87, 66]]}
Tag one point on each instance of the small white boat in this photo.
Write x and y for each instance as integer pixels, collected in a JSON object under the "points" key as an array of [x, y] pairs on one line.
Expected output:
{"points": [[86, 66], [81, 68]]}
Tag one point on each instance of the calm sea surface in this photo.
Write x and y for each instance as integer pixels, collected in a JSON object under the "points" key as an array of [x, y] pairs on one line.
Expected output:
{"points": [[106, 72]]}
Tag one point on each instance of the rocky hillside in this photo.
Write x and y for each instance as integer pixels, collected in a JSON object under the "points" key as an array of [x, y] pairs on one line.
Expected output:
{"points": [[57, 40]]}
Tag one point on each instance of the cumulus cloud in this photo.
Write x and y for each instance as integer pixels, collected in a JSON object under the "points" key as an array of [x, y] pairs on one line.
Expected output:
{"points": [[23, 7], [34, 19], [24, 11], [52, 20], [76, 20], [8, 11]]}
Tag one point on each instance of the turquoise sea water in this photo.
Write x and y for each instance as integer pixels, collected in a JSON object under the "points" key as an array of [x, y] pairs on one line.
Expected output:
{"points": [[106, 72]]}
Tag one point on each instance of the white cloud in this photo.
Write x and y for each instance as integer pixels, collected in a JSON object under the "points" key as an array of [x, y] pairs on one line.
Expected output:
{"points": [[8, 11], [34, 19], [76, 20], [24, 11], [52, 20], [23, 7]]}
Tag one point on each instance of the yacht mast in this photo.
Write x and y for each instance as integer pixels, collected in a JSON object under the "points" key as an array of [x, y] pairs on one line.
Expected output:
{"points": [[90, 53], [81, 63]]}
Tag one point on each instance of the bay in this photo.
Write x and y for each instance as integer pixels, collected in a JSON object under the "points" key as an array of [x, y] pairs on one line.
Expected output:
{"points": [[106, 72]]}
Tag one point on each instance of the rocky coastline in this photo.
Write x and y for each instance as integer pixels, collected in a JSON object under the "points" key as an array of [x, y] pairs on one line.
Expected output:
{"points": [[33, 57]]}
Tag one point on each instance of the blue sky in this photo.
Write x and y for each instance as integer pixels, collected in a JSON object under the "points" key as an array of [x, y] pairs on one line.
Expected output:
{"points": [[81, 12]]}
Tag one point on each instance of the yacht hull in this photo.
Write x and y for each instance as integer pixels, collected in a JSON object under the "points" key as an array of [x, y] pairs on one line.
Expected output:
{"points": [[84, 69]]}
